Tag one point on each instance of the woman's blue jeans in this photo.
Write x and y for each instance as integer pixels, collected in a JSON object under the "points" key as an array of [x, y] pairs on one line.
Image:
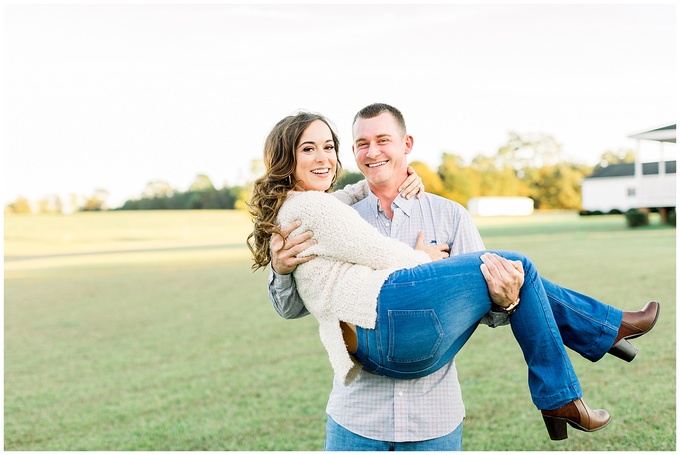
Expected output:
{"points": [[427, 313]]}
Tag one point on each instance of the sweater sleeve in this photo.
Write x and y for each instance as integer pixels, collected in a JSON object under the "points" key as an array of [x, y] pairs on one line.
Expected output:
{"points": [[352, 193], [344, 236]]}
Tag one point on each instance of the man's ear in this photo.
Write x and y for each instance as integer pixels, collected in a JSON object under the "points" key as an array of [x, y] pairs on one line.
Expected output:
{"points": [[408, 142]]}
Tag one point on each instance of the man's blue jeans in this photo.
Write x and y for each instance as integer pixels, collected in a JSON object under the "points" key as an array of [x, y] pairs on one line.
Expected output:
{"points": [[341, 439], [427, 313]]}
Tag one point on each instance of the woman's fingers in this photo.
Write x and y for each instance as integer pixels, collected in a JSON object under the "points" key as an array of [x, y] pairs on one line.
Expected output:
{"points": [[285, 249], [413, 185]]}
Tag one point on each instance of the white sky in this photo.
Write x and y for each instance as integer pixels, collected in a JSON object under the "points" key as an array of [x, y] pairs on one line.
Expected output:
{"points": [[115, 95]]}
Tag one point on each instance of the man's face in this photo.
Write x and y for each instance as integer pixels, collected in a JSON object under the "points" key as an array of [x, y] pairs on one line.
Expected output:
{"points": [[380, 150]]}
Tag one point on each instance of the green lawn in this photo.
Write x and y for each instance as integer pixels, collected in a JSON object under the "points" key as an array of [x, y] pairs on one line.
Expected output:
{"points": [[169, 342]]}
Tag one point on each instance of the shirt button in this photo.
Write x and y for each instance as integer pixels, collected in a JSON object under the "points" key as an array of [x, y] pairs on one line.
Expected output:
{"points": [[401, 393]]}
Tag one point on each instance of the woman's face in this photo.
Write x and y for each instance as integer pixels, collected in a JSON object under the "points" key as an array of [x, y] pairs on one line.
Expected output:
{"points": [[316, 157]]}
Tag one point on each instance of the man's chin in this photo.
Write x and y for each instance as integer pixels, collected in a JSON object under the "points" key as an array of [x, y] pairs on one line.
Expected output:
{"points": [[376, 174]]}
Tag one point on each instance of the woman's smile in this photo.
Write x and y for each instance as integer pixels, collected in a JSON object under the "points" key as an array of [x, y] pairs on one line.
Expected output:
{"points": [[316, 158]]}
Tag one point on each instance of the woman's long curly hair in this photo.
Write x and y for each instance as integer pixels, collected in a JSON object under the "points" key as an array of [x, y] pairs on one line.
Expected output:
{"points": [[271, 190]]}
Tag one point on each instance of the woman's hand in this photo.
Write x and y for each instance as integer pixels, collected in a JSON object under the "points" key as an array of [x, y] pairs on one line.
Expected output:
{"points": [[435, 251], [413, 185], [284, 252]]}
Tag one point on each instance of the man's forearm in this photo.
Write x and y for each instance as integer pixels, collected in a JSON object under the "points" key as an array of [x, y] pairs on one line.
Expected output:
{"points": [[284, 296]]}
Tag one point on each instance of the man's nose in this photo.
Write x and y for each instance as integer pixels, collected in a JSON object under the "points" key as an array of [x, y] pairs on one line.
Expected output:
{"points": [[372, 151]]}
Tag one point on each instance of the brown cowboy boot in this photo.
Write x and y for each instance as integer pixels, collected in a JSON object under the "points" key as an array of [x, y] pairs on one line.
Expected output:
{"points": [[633, 325], [578, 415]]}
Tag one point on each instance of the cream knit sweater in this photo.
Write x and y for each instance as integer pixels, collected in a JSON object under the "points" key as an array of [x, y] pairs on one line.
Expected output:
{"points": [[343, 282]]}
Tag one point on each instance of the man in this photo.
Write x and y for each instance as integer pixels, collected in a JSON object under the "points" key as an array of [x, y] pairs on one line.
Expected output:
{"points": [[378, 413]]}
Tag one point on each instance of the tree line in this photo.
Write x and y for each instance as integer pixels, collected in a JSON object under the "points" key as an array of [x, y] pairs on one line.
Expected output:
{"points": [[201, 195], [526, 165]]}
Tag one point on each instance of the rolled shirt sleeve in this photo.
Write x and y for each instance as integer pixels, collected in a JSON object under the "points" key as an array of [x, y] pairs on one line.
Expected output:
{"points": [[284, 296]]}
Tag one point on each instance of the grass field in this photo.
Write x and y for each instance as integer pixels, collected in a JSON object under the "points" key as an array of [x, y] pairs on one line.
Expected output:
{"points": [[148, 331]]}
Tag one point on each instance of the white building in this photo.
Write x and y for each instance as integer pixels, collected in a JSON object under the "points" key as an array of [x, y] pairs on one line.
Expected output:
{"points": [[649, 185], [501, 206]]}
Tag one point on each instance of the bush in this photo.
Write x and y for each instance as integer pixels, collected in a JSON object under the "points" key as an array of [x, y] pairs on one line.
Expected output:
{"points": [[671, 217], [635, 218]]}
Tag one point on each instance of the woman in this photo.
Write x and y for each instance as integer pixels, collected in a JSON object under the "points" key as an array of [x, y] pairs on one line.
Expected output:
{"points": [[402, 312]]}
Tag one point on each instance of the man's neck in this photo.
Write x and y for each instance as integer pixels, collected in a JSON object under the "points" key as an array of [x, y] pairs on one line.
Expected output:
{"points": [[386, 194]]}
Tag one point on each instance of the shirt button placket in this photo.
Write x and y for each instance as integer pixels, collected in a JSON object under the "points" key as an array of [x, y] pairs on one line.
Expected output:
{"points": [[401, 415]]}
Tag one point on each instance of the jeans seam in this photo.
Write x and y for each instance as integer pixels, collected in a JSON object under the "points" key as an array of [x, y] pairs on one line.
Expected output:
{"points": [[605, 324], [585, 315], [573, 379]]}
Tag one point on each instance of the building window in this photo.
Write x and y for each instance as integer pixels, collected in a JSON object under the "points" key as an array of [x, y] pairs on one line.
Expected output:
{"points": [[631, 192]]}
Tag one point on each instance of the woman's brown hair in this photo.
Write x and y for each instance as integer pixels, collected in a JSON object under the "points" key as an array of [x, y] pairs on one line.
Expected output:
{"points": [[271, 190]]}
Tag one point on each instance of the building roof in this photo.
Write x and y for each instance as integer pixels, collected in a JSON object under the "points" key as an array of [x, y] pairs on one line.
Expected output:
{"points": [[628, 170], [662, 134]]}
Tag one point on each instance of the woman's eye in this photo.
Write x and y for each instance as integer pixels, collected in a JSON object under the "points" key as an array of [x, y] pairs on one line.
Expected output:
{"points": [[308, 149], [330, 147]]}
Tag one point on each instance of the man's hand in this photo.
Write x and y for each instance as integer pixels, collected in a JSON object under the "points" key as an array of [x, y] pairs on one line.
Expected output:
{"points": [[435, 251], [503, 277], [284, 260]]}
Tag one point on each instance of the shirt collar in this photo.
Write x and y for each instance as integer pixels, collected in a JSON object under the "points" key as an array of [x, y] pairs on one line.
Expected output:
{"points": [[405, 205]]}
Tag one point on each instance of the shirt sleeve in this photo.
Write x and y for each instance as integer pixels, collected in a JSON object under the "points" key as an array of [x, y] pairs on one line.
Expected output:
{"points": [[466, 237], [495, 319], [284, 296]]}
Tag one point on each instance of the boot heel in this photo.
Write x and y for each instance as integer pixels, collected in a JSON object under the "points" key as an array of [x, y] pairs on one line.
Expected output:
{"points": [[623, 350], [557, 427]]}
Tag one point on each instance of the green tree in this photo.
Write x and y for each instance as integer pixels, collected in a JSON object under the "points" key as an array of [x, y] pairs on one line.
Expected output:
{"points": [[158, 188], [558, 186], [242, 197], [20, 205], [97, 201], [458, 182], [496, 177], [347, 178], [50, 204], [202, 183], [524, 151]]}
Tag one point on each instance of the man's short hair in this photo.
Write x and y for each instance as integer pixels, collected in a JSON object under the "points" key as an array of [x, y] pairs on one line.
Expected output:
{"points": [[375, 109]]}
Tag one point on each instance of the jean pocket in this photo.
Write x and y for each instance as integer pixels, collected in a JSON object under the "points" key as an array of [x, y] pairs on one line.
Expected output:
{"points": [[413, 335]]}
